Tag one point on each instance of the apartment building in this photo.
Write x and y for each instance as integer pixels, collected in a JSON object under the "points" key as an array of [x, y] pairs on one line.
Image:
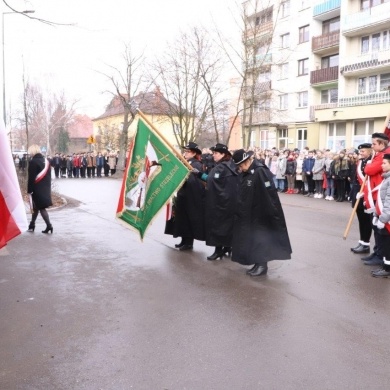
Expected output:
{"points": [[328, 74]]}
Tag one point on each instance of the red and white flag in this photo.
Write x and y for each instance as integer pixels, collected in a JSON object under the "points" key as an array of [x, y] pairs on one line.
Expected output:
{"points": [[13, 219]]}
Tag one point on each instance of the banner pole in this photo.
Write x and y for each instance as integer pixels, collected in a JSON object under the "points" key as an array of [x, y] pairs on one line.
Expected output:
{"points": [[354, 210], [178, 155]]}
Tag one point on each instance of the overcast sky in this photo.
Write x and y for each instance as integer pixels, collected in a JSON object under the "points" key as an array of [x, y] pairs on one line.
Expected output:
{"points": [[69, 58]]}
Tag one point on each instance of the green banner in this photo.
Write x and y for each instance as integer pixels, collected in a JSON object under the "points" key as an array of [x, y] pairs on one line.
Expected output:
{"points": [[153, 173]]}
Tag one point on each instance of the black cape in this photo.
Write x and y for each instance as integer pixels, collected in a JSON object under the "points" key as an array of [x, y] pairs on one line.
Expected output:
{"points": [[221, 203], [260, 231], [188, 209], [41, 191]]}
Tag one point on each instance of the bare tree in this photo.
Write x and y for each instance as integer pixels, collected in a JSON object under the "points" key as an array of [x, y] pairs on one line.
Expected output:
{"points": [[44, 115], [127, 82], [253, 62], [189, 73]]}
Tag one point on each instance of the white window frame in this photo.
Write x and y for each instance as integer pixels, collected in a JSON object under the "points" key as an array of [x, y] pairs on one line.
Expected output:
{"points": [[285, 41], [264, 139], [301, 138], [358, 139], [302, 70], [303, 98], [283, 101], [284, 71], [336, 136]]}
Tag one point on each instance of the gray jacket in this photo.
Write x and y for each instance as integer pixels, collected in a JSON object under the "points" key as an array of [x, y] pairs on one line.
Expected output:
{"points": [[318, 169], [384, 194]]}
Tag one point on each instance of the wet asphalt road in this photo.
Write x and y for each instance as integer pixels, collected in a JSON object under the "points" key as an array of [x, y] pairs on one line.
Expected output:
{"points": [[91, 307]]}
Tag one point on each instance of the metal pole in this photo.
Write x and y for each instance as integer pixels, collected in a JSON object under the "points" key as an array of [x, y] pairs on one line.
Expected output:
{"points": [[4, 114]]}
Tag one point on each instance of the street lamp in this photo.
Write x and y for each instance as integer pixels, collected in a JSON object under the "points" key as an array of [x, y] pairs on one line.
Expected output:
{"points": [[5, 13]]}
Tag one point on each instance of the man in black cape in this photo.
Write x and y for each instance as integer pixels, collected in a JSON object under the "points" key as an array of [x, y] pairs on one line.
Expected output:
{"points": [[260, 231]]}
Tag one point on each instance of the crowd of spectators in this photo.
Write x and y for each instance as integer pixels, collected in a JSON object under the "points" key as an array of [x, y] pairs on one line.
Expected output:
{"points": [[78, 165], [316, 173]]}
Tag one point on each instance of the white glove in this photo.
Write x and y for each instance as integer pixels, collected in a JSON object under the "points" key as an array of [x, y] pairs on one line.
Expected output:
{"points": [[375, 221], [194, 170], [369, 162], [359, 195], [380, 225]]}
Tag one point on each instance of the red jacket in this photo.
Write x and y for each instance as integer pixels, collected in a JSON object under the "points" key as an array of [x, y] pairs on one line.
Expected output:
{"points": [[374, 172]]}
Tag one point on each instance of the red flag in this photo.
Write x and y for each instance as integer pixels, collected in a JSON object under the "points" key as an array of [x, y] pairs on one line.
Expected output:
{"points": [[13, 220]]}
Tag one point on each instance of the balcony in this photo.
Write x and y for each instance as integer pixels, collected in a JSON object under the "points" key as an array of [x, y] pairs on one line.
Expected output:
{"points": [[259, 61], [259, 30], [326, 9], [320, 107], [259, 117], [259, 89], [367, 21], [362, 100], [368, 63], [323, 43], [326, 75]]}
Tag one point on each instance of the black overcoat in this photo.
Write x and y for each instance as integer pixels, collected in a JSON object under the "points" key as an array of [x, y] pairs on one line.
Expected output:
{"points": [[41, 191], [221, 203], [189, 207], [260, 231]]}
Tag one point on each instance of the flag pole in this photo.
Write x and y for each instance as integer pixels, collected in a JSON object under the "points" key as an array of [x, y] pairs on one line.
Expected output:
{"points": [[178, 155], [354, 210]]}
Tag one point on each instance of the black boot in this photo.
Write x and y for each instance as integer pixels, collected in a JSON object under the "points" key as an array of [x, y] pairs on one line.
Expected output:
{"points": [[181, 243], [188, 244], [49, 229], [31, 227], [260, 269], [218, 253]]}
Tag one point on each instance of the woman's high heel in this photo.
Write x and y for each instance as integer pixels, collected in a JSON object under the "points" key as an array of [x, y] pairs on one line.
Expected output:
{"points": [[215, 256], [49, 229], [31, 228]]}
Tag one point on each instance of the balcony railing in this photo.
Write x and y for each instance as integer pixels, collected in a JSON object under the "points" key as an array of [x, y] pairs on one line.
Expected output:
{"points": [[259, 89], [362, 100], [320, 107], [264, 28], [324, 75], [260, 60], [259, 117], [326, 40], [367, 61], [368, 17], [326, 6]]}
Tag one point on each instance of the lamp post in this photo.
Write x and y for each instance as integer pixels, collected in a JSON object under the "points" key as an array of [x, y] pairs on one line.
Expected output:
{"points": [[2, 25]]}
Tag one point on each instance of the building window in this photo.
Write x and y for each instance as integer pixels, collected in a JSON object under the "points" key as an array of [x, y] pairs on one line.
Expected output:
{"points": [[329, 61], [264, 76], [331, 25], [284, 71], [283, 138], [252, 142], [329, 96], [336, 136], [285, 40], [365, 4], [302, 139], [283, 101], [303, 67], [362, 131], [264, 142], [285, 8], [385, 82], [362, 85], [302, 99], [372, 84], [304, 34], [365, 45]]}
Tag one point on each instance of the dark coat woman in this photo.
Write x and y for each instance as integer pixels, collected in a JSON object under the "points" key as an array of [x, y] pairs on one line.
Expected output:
{"points": [[221, 202], [189, 205], [340, 170], [260, 231], [39, 187]]}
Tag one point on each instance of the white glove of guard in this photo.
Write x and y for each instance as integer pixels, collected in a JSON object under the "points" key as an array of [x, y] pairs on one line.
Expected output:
{"points": [[375, 221], [380, 225], [194, 170], [359, 195]]}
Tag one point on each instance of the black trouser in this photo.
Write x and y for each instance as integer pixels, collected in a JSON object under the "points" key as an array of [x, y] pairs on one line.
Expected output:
{"points": [[57, 170], [89, 170], [365, 222], [310, 183], [340, 188]]}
